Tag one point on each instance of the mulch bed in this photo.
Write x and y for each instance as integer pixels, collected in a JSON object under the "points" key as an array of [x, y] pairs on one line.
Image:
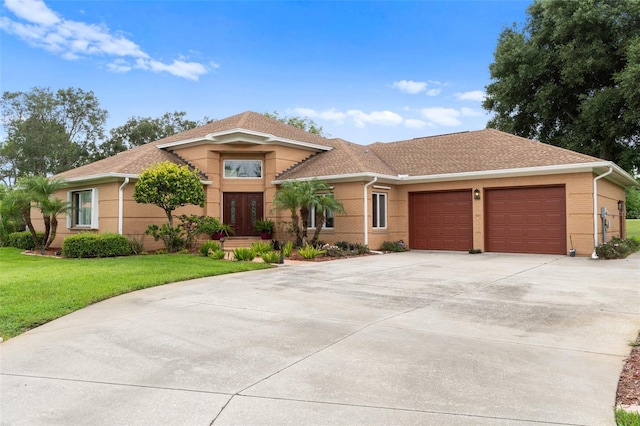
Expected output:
{"points": [[629, 384]]}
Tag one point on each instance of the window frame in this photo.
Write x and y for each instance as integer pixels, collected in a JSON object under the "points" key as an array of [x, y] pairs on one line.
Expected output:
{"points": [[74, 213], [327, 214], [375, 210], [224, 168]]}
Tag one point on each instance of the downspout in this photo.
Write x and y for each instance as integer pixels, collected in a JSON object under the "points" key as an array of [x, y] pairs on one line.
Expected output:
{"points": [[366, 210], [595, 211], [121, 204]]}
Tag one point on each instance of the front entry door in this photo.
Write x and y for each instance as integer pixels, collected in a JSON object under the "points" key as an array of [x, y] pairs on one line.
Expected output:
{"points": [[241, 210]]}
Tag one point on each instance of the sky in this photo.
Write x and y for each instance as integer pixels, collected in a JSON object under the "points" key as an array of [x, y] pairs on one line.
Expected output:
{"points": [[365, 71]]}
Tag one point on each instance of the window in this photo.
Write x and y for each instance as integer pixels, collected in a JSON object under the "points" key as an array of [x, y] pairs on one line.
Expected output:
{"points": [[328, 218], [243, 169], [84, 210], [379, 211]]}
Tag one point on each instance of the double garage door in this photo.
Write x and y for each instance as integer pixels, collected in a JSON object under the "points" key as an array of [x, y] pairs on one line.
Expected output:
{"points": [[517, 220]]}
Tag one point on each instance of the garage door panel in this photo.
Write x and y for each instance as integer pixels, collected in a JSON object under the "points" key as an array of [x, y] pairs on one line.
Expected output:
{"points": [[441, 220], [526, 220]]}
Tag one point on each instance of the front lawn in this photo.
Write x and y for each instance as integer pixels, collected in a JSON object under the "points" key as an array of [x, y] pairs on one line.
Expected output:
{"points": [[633, 228], [35, 289]]}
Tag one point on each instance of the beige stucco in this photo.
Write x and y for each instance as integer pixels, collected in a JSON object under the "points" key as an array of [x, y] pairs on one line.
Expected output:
{"points": [[208, 158]]}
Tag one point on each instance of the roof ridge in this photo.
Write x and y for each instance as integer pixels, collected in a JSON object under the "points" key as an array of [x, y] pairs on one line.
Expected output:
{"points": [[293, 166], [189, 165]]}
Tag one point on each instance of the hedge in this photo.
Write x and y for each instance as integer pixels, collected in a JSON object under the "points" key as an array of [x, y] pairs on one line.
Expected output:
{"points": [[23, 240], [96, 245]]}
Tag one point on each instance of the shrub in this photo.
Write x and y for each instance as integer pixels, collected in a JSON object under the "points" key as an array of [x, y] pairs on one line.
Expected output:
{"points": [[208, 246], [271, 257], [23, 240], [287, 248], [136, 245], [395, 246], [243, 254], [193, 226], [617, 248], [260, 247], [96, 245], [216, 254], [171, 236], [310, 252]]}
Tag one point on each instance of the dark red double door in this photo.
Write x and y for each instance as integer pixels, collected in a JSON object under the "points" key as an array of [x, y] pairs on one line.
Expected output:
{"points": [[241, 210]]}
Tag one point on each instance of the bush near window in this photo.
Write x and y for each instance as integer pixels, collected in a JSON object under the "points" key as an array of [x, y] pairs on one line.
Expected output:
{"points": [[96, 245], [23, 240], [617, 248]]}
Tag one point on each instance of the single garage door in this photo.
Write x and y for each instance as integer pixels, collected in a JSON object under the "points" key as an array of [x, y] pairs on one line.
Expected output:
{"points": [[441, 220], [526, 220]]}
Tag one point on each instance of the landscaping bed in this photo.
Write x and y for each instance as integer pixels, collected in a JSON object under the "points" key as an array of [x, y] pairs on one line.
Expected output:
{"points": [[629, 384]]}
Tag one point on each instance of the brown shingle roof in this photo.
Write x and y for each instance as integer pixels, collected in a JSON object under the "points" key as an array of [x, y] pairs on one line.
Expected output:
{"points": [[137, 159], [481, 150]]}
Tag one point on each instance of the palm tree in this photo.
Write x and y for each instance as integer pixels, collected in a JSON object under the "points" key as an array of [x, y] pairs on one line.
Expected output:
{"points": [[39, 189], [298, 197], [288, 198], [322, 204]]}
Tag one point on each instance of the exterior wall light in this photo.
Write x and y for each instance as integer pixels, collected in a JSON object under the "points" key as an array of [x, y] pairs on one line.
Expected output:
{"points": [[476, 194], [620, 205]]}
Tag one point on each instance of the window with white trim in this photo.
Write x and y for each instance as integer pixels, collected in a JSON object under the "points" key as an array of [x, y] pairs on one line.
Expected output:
{"points": [[328, 218], [243, 169], [379, 210], [84, 209]]}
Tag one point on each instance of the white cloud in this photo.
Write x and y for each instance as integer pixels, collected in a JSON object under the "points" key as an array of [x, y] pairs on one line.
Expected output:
{"points": [[33, 11], [382, 118], [74, 40], [409, 86], [328, 115], [442, 116], [433, 92], [413, 123], [474, 95], [470, 112], [119, 65]]}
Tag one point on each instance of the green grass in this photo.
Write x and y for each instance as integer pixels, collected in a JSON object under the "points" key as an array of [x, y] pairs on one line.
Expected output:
{"points": [[35, 290], [633, 228], [626, 418]]}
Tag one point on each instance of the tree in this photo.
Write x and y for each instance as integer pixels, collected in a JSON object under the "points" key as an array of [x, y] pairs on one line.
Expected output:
{"points": [[322, 204], [38, 191], [169, 186], [633, 203], [304, 123], [48, 133], [569, 78], [138, 131], [299, 197]]}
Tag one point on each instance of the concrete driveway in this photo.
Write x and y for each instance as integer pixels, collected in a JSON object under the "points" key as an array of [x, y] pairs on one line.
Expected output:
{"points": [[411, 338]]}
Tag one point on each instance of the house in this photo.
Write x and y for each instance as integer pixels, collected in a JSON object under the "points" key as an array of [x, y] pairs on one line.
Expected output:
{"points": [[484, 189]]}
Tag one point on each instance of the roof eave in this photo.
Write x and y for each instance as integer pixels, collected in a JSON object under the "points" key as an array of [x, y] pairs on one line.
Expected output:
{"points": [[619, 175], [106, 178], [258, 138]]}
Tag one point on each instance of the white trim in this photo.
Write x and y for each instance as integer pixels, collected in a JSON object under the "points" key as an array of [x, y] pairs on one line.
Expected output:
{"points": [[377, 207], [381, 187], [625, 178], [121, 205], [366, 210], [95, 203], [594, 255], [108, 176], [222, 138]]}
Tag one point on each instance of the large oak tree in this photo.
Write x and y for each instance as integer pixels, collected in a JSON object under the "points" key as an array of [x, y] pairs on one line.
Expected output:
{"points": [[47, 132], [569, 77]]}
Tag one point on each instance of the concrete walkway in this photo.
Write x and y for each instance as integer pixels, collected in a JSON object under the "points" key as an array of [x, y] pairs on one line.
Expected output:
{"points": [[411, 338]]}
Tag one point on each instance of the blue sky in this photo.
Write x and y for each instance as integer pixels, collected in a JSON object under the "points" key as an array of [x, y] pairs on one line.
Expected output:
{"points": [[365, 71]]}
